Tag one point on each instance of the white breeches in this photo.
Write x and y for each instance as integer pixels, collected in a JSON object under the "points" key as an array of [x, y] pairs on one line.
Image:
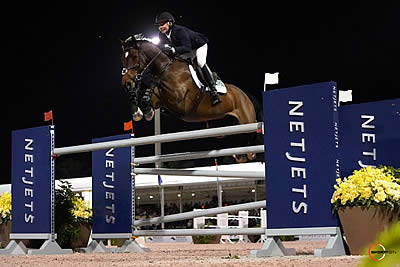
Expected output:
{"points": [[201, 54]]}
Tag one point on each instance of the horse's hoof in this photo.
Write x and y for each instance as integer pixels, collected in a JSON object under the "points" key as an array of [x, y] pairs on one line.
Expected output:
{"points": [[240, 158], [138, 115], [149, 115], [251, 156]]}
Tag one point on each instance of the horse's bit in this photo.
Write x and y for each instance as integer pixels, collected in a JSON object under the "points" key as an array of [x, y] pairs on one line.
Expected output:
{"points": [[139, 75]]}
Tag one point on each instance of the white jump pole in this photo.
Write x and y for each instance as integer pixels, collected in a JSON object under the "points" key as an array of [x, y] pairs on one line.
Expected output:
{"points": [[230, 174], [201, 213], [162, 138]]}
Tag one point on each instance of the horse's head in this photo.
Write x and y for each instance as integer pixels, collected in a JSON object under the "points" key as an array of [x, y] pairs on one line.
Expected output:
{"points": [[139, 56], [130, 62], [140, 59]]}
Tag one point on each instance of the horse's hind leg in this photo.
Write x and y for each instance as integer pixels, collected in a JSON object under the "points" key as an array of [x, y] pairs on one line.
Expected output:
{"points": [[246, 114]]}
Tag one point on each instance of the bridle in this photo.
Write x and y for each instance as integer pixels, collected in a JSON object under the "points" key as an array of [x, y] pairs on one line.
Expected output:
{"points": [[140, 73]]}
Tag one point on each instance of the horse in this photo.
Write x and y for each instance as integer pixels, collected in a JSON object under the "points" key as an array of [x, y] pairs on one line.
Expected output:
{"points": [[176, 91]]}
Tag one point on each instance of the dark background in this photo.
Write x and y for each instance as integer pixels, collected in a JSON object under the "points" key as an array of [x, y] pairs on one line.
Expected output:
{"points": [[66, 56]]}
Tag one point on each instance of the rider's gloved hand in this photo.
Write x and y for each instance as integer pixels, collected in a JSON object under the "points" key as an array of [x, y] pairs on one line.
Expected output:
{"points": [[169, 50]]}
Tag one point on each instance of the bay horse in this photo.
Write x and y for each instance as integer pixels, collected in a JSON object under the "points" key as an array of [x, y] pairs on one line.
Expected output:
{"points": [[176, 91]]}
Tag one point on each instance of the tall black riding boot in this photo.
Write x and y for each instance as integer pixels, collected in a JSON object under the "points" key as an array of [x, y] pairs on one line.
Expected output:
{"points": [[211, 84]]}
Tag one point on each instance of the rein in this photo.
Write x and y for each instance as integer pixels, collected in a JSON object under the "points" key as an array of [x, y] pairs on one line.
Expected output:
{"points": [[137, 65], [140, 74]]}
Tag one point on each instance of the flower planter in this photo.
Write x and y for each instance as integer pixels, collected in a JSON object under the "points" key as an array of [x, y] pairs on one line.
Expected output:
{"points": [[84, 234], [361, 225], [5, 230]]}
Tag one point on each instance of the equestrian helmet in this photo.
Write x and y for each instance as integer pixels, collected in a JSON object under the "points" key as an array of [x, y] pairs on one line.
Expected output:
{"points": [[163, 18]]}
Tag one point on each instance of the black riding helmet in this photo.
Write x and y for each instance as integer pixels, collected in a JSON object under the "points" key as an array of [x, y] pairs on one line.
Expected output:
{"points": [[163, 18]]}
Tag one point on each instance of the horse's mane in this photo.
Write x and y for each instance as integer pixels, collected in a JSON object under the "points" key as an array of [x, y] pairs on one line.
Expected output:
{"points": [[132, 40], [141, 37]]}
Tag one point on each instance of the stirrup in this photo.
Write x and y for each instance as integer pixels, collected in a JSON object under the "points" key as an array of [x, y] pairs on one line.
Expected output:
{"points": [[215, 98]]}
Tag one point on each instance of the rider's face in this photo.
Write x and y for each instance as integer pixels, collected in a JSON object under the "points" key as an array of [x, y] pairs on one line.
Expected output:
{"points": [[164, 28]]}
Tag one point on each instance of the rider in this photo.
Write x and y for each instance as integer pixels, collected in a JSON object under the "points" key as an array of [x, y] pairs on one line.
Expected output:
{"points": [[177, 39]]}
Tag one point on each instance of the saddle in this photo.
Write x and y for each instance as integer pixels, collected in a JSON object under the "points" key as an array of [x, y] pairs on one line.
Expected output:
{"points": [[197, 75]]}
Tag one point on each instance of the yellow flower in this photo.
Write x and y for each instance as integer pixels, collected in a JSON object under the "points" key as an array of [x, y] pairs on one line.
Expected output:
{"points": [[380, 196], [367, 184], [366, 193], [5, 205], [335, 197], [81, 209]]}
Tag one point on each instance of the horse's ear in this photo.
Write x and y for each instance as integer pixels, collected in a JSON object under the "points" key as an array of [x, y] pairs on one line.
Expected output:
{"points": [[129, 42]]}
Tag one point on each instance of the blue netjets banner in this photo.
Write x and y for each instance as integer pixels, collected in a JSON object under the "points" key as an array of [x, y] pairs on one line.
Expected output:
{"points": [[301, 155], [369, 135], [112, 188], [31, 180]]}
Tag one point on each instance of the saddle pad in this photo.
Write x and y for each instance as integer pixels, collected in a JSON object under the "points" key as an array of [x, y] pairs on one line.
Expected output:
{"points": [[220, 86]]}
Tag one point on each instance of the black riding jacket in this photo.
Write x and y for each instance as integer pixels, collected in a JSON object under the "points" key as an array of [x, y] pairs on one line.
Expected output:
{"points": [[183, 39]]}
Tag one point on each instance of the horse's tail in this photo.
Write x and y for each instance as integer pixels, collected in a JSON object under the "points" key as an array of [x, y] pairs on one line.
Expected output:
{"points": [[257, 106]]}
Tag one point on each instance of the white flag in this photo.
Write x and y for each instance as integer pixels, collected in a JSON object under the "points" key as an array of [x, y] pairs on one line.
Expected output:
{"points": [[271, 78]]}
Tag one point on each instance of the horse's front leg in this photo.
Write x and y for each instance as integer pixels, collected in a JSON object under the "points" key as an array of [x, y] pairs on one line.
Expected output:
{"points": [[145, 103], [133, 97], [136, 112]]}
